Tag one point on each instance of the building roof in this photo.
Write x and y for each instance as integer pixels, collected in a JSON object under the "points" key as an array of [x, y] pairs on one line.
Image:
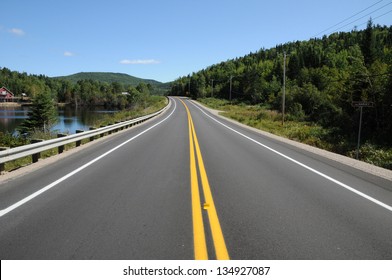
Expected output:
{"points": [[4, 91]]}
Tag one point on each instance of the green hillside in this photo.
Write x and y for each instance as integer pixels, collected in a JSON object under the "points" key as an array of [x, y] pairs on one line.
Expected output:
{"points": [[85, 89], [108, 77], [325, 79]]}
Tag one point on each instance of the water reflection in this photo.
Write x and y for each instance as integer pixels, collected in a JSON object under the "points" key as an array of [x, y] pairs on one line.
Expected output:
{"points": [[11, 118], [69, 118]]}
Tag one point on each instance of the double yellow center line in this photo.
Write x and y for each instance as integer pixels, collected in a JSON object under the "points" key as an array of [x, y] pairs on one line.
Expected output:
{"points": [[199, 239]]}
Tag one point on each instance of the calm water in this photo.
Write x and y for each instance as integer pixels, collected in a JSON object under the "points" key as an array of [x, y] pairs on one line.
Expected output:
{"points": [[69, 118]]}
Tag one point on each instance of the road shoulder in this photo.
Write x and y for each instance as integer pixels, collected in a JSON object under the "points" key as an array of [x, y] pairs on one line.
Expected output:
{"points": [[374, 174]]}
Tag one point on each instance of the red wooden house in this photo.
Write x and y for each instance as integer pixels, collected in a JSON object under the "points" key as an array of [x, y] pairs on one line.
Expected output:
{"points": [[6, 95]]}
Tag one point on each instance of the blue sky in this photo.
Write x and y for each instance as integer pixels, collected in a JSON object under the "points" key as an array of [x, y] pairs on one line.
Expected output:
{"points": [[162, 40]]}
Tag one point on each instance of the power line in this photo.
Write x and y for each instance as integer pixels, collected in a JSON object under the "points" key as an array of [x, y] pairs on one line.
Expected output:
{"points": [[360, 18], [347, 18], [376, 18], [382, 15]]}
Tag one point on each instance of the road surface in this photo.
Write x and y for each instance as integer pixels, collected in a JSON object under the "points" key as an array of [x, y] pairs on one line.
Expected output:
{"points": [[190, 185]]}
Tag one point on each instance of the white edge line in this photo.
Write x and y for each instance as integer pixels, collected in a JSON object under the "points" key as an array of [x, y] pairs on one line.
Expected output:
{"points": [[386, 206], [58, 181]]}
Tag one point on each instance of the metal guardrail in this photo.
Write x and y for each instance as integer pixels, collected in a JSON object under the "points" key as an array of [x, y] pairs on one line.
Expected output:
{"points": [[36, 148]]}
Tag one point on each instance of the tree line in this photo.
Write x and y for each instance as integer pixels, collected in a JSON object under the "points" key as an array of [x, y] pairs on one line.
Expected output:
{"points": [[85, 92], [323, 77]]}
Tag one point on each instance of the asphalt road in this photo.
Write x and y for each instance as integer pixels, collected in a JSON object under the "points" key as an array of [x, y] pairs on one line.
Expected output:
{"points": [[190, 185]]}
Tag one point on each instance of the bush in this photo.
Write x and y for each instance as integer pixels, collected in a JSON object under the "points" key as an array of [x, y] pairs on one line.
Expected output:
{"points": [[374, 155], [296, 112], [8, 140]]}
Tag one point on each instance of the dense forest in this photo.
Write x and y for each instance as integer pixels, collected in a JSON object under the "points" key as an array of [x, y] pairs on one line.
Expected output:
{"points": [[323, 77], [109, 77], [84, 92]]}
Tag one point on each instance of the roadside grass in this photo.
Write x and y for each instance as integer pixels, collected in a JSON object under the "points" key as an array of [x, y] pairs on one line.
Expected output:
{"points": [[151, 105], [301, 131], [271, 121]]}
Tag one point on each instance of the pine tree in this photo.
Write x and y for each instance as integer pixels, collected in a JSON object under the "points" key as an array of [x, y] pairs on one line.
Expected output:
{"points": [[368, 44], [42, 116]]}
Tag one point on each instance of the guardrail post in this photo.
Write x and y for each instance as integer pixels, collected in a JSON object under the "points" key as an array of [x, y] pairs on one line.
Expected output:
{"points": [[35, 150], [2, 165], [37, 156], [60, 149], [102, 134], [92, 137], [110, 131], [79, 142]]}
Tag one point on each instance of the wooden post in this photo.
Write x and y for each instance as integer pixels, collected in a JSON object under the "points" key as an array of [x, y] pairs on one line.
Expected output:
{"points": [[2, 165], [79, 142], [37, 156], [110, 131], [92, 137], [60, 149], [117, 129]]}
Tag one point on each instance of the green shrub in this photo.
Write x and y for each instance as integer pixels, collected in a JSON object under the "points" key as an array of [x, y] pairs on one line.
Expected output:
{"points": [[374, 155], [9, 140]]}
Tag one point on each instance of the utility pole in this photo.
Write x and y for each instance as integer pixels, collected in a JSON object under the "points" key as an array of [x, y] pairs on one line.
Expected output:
{"points": [[284, 87], [360, 104], [212, 88], [231, 77], [359, 132]]}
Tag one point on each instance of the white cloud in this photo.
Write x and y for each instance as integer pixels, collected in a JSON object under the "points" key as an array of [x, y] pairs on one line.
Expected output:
{"points": [[140, 61], [17, 31], [67, 53]]}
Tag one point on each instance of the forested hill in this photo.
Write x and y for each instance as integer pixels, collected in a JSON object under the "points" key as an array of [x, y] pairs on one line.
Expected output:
{"points": [[323, 77], [108, 77], [89, 90]]}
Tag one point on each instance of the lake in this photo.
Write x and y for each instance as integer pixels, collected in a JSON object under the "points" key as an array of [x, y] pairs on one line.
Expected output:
{"points": [[69, 118]]}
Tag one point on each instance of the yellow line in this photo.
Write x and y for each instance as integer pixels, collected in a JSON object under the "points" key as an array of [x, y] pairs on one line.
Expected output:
{"points": [[217, 234], [199, 240]]}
